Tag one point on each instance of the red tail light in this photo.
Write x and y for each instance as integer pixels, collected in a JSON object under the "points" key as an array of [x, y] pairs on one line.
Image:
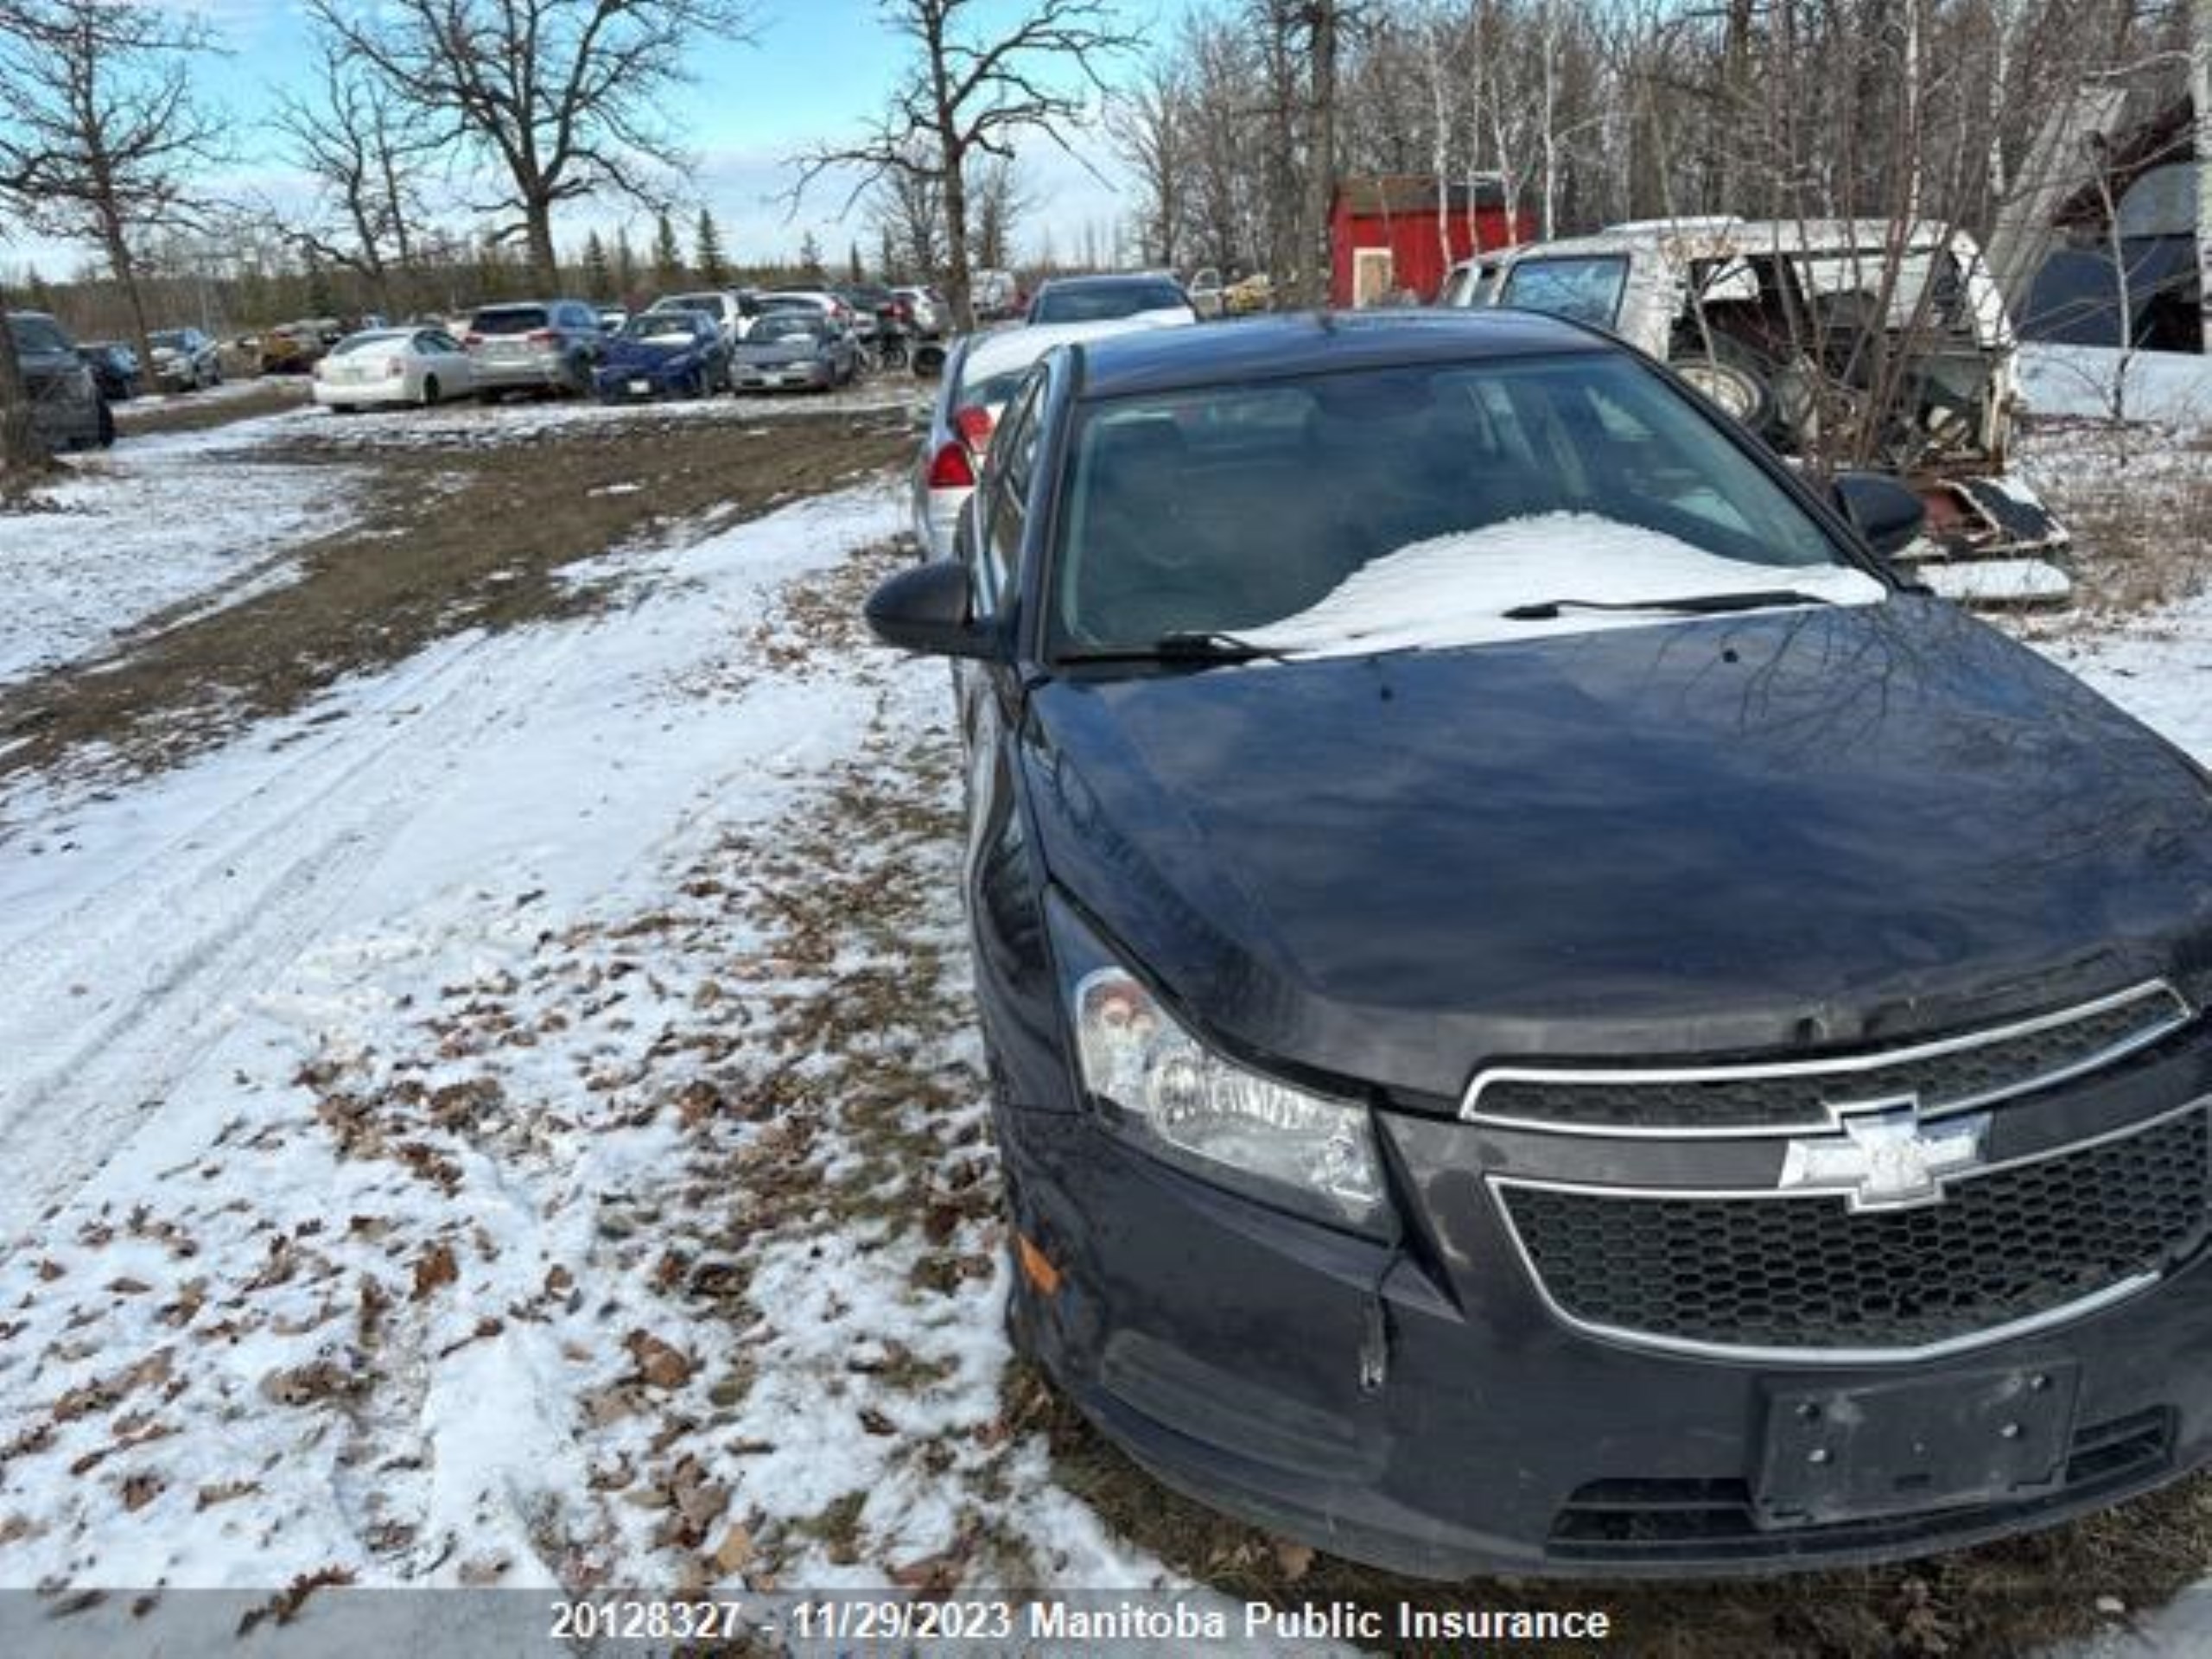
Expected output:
{"points": [[541, 337], [974, 424], [472, 340], [950, 469]]}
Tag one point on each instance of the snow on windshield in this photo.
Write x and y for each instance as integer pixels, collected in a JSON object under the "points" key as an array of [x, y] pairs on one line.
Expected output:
{"points": [[1454, 590]]}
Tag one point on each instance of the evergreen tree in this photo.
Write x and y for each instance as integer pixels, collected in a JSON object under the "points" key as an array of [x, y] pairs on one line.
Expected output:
{"points": [[321, 302], [626, 266], [856, 271], [39, 290], [668, 258], [810, 258], [599, 277], [713, 268]]}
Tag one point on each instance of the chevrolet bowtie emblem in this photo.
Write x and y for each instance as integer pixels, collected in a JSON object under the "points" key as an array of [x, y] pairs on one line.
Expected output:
{"points": [[1885, 1158]]}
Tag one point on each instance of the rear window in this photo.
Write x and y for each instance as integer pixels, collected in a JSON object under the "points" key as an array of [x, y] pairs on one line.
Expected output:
{"points": [[509, 320], [1106, 301], [37, 334]]}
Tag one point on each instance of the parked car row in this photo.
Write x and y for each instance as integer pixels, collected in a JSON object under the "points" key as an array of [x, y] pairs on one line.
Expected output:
{"points": [[689, 345]]}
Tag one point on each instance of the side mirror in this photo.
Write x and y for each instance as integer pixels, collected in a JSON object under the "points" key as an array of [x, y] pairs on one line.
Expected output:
{"points": [[928, 609], [1883, 510]]}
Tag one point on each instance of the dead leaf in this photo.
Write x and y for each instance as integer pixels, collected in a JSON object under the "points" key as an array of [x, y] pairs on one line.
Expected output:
{"points": [[310, 1384], [142, 1489], [284, 1607], [483, 1570], [225, 1491], [875, 1422], [660, 1364], [734, 1551], [1294, 1559], [433, 1269]]}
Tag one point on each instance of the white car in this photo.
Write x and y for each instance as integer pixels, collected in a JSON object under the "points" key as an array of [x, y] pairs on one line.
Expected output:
{"points": [[732, 312], [979, 375], [820, 300], [394, 366]]}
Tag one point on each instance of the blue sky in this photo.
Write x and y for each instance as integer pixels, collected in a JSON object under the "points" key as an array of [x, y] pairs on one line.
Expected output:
{"points": [[817, 69]]}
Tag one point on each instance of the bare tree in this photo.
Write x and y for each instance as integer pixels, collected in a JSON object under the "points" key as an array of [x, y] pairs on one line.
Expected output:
{"points": [[101, 134], [971, 89], [559, 99], [907, 207], [997, 198], [1149, 120], [367, 154]]}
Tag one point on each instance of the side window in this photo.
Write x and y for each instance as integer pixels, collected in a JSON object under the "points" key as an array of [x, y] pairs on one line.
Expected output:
{"points": [[1014, 458]]}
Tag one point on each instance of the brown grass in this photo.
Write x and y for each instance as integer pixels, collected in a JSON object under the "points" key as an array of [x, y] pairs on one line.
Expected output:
{"points": [[447, 539]]}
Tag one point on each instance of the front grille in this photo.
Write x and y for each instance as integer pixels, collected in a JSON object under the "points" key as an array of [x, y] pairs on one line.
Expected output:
{"points": [[1652, 1520], [1774, 1272], [1946, 1073]]}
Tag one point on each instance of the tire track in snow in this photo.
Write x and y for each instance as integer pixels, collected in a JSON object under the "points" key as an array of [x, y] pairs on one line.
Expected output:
{"points": [[112, 1002]]}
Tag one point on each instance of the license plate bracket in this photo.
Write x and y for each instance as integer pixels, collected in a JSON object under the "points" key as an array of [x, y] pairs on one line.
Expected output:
{"points": [[1866, 1451]]}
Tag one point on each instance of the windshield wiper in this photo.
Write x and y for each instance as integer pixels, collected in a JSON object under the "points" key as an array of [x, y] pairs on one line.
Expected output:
{"points": [[1184, 645], [1692, 605]]}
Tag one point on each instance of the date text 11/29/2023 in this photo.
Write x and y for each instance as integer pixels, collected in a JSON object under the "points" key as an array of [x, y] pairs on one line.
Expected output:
{"points": [[1164, 1617]]}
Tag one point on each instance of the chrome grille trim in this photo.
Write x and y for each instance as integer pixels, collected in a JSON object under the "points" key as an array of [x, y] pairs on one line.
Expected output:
{"points": [[2118, 1291], [1870, 1065]]}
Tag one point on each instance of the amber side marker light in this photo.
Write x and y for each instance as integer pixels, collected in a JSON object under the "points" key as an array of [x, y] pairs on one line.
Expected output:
{"points": [[1034, 1266]]}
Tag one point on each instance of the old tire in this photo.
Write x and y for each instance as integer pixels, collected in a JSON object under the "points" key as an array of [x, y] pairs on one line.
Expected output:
{"points": [[1731, 385]]}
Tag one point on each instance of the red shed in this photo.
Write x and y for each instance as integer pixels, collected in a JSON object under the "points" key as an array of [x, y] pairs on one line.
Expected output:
{"points": [[1383, 235]]}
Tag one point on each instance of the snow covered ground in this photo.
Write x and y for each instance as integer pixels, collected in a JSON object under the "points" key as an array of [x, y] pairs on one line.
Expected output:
{"points": [[425, 1160], [2099, 383], [515, 1121], [108, 554]]}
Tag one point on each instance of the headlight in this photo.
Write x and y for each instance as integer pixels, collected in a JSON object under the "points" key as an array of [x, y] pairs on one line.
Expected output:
{"points": [[1161, 1088]]}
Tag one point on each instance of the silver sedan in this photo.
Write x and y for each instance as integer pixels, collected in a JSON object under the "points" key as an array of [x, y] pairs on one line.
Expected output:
{"points": [[421, 366]]}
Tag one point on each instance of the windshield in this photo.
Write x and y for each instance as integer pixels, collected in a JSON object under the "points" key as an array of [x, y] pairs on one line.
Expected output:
{"points": [[1419, 505], [790, 329], [1583, 291], [37, 334], [387, 337], [167, 340], [1104, 302], [676, 322]]}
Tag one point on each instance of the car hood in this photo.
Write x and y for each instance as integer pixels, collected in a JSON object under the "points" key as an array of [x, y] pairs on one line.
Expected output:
{"points": [[1791, 830], [647, 354]]}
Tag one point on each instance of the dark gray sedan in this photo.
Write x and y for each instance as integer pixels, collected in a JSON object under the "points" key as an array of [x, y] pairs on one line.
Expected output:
{"points": [[794, 349]]}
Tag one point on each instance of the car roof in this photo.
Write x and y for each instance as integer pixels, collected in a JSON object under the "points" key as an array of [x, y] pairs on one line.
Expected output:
{"points": [[1107, 279], [1715, 238], [1021, 344], [1298, 343]]}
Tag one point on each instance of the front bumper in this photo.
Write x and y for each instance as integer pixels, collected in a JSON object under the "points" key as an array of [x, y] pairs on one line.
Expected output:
{"points": [[1439, 1419], [803, 376], [628, 387]]}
